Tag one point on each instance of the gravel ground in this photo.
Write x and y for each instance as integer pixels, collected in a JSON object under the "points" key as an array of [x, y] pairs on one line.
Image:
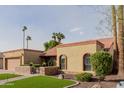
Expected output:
{"points": [[109, 82]]}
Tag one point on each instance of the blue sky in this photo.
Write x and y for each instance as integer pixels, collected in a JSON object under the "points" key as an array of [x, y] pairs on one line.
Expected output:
{"points": [[78, 23]]}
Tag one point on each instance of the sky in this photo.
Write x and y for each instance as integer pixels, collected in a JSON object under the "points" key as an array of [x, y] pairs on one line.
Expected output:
{"points": [[77, 23]]}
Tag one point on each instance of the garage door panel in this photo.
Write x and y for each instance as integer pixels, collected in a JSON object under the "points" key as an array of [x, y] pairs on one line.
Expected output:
{"points": [[13, 63]]}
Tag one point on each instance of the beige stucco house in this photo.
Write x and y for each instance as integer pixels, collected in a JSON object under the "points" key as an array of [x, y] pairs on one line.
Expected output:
{"points": [[71, 57], [74, 57], [15, 58]]}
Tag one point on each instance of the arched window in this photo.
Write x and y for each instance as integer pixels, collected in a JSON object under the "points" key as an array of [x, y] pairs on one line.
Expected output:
{"points": [[86, 62], [63, 62]]}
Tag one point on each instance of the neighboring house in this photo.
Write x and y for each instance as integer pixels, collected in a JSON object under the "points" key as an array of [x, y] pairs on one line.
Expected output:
{"points": [[1, 61], [71, 57], [74, 57], [14, 58]]}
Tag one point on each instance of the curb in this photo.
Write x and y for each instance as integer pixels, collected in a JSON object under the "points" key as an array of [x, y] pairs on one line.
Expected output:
{"points": [[70, 86]]}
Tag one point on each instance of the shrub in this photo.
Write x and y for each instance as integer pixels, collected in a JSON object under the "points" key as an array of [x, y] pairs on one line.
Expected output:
{"points": [[84, 77], [24, 65], [43, 64], [50, 62], [31, 64], [101, 62], [37, 65]]}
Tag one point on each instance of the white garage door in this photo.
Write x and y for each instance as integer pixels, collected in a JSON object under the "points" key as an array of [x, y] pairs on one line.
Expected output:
{"points": [[13, 63]]}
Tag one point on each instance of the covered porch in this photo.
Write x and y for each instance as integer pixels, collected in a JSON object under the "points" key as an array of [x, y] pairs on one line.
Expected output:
{"points": [[48, 60], [49, 57]]}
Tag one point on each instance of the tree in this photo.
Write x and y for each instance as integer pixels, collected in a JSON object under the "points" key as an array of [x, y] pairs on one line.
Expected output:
{"points": [[120, 41], [46, 46], [54, 36], [50, 44], [57, 37], [103, 27], [115, 46], [60, 36], [28, 38], [24, 29]]}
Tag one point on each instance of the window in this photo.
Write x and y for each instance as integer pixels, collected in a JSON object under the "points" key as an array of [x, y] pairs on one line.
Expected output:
{"points": [[63, 62], [87, 65]]}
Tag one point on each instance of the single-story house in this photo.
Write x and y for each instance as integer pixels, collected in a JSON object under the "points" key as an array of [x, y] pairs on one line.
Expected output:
{"points": [[1, 61], [74, 57], [70, 57], [15, 58]]}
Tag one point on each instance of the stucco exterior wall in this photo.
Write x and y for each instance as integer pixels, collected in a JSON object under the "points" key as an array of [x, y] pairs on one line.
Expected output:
{"points": [[25, 56], [32, 56], [75, 56], [1, 63], [11, 55]]}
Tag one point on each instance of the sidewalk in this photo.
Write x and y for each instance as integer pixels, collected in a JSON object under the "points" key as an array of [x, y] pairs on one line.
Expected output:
{"points": [[14, 79]]}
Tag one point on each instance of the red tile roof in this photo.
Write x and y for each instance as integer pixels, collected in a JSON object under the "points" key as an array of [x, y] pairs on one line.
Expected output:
{"points": [[105, 42], [50, 52], [81, 43], [22, 50]]}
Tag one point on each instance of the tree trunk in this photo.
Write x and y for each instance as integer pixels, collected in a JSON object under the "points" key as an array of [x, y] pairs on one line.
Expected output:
{"points": [[23, 39], [120, 41], [115, 47], [27, 43]]}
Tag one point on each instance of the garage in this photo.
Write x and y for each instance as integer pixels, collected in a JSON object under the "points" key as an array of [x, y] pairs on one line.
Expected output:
{"points": [[11, 64]]}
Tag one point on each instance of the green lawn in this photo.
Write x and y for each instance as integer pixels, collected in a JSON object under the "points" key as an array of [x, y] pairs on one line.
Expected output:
{"points": [[7, 76], [38, 82]]}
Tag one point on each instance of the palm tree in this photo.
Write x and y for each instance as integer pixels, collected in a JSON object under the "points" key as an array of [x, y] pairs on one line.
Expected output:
{"points": [[54, 36], [115, 47], [28, 38], [60, 36], [24, 29], [120, 41], [50, 44], [46, 46]]}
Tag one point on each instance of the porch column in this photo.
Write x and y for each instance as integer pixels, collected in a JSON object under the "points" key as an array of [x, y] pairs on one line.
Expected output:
{"points": [[22, 59], [4, 63], [57, 62]]}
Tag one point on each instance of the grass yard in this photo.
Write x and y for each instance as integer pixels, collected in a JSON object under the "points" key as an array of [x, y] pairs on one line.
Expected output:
{"points": [[7, 76], [38, 82]]}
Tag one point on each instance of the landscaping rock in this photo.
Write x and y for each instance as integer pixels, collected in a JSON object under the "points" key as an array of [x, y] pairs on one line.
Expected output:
{"points": [[61, 76], [96, 86]]}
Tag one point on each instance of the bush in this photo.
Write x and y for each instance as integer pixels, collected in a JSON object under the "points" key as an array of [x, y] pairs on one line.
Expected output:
{"points": [[43, 64], [24, 65], [84, 77], [101, 62], [37, 65], [31, 64]]}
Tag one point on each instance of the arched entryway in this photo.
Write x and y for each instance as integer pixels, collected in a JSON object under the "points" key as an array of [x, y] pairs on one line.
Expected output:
{"points": [[86, 62], [63, 62]]}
